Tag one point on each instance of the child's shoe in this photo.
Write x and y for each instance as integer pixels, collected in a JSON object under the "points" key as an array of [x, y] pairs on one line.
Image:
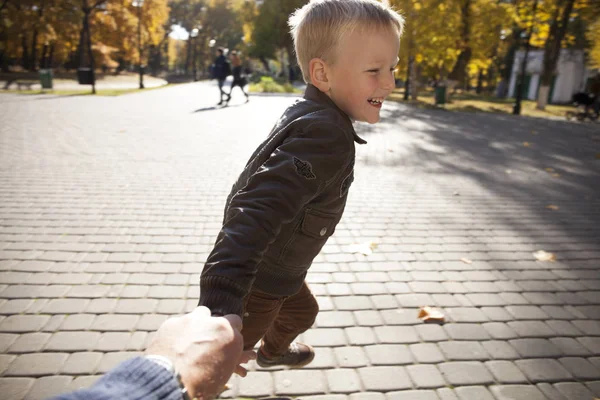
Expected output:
{"points": [[298, 355]]}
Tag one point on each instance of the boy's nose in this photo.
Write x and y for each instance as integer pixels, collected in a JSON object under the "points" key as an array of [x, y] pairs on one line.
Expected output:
{"points": [[388, 82]]}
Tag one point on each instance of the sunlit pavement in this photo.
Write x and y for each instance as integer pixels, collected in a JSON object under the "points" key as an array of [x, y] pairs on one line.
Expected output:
{"points": [[110, 205]]}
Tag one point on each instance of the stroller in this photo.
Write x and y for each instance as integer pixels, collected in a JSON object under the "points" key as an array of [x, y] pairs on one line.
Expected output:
{"points": [[587, 106]]}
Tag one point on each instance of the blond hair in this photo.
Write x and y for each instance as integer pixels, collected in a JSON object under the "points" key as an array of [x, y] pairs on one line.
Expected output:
{"points": [[319, 26]]}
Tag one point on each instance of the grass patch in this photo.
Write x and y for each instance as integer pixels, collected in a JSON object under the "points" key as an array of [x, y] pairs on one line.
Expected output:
{"points": [[81, 92], [269, 85], [470, 102]]}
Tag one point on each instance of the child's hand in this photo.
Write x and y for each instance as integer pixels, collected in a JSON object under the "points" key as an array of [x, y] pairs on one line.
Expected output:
{"points": [[246, 356]]}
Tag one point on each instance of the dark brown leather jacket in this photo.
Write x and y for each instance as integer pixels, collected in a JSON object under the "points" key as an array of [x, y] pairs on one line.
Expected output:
{"points": [[283, 207]]}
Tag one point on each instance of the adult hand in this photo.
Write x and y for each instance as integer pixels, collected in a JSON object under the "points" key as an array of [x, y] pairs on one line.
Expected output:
{"points": [[205, 350]]}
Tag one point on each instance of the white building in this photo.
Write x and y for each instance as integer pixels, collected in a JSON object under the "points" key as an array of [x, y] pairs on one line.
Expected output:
{"points": [[571, 76]]}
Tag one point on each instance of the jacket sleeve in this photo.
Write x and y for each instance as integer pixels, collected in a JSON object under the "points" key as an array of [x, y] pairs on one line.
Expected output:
{"points": [[299, 169], [134, 379]]}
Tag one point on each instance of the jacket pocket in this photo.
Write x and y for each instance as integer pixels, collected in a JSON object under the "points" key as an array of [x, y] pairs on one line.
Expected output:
{"points": [[307, 241]]}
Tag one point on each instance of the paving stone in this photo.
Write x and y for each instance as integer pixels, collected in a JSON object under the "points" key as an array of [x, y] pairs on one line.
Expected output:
{"points": [[531, 329], [466, 332], [591, 343], [595, 361], [550, 391], [402, 316], [256, 384], [324, 359], [396, 334], [413, 300], [6, 340], [54, 323], [466, 314], [592, 312], [29, 343], [113, 341], [517, 392], [412, 395], [343, 380], [465, 373], [325, 303], [542, 298], [594, 387], [384, 378], [426, 353], [23, 323], [431, 332], [463, 351], [447, 300], [447, 394], [352, 303], [580, 368], [36, 364], [114, 322], [527, 312], [101, 306], [388, 354], [500, 350], [136, 306], [5, 360], [48, 386], [349, 357], [384, 301], [563, 328], [17, 306], [111, 360], [360, 335], [570, 346], [486, 299], [473, 392], [531, 348], [88, 291], [81, 363], [367, 318], [514, 298], [499, 330], [83, 382], [367, 396], [338, 289], [77, 322], [324, 397], [299, 382], [15, 388], [505, 372], [574, 391], [589, 328], [368, 288], [543, 370], [425, 376], [335, 319], [557, 312], [72, 341], [65, 306], [325, 337], [496, 314]]}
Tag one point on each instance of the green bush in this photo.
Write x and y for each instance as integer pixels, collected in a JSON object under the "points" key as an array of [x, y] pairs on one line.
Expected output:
{"points": [[268, 85]]}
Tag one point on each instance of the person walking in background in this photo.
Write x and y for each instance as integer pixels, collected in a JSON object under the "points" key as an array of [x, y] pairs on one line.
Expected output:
{"points": [[239, 79], [221, 70]]}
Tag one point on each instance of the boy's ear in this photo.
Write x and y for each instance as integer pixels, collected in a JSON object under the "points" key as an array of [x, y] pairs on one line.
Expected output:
{"points": [[318, 74]]}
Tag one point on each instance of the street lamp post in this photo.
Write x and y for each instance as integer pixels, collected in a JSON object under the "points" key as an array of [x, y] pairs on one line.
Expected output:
{"points": [[194, 34], [138, 4]]}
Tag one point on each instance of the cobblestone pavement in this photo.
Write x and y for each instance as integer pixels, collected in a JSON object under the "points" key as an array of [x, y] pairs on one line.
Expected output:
{"points": [[109, 206]]}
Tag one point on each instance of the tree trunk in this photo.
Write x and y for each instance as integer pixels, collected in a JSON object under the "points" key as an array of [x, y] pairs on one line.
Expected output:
{"points": [[265, 63], [552, 47], [479, 82], [43, 58], [51, 56], [81, 48], [407, 82], [414, 83], [188, 56], [34, 49], [25, 62], [459, 71], [88, 34]]}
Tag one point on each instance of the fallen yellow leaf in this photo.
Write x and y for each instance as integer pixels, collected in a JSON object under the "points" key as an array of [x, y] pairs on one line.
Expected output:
{"points": [[526, 144], [556, 175], [598, 156], [429, 314], [363, 248], [534, 133], [542, 255], [552, 207], [466, 260], [550, 169]]}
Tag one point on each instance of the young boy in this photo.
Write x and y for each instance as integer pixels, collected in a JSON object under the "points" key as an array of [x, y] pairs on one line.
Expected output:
{"points": [[291, 195]]}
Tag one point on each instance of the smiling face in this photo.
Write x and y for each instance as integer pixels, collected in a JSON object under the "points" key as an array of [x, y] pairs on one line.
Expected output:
{"points": [[362, 75]]}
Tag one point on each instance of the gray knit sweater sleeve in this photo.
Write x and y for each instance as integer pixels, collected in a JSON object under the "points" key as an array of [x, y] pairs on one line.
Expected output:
{"points": [[137, 378]]}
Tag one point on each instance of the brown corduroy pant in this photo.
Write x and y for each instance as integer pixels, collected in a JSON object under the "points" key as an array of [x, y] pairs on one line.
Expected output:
{"points": [[277, 320]]}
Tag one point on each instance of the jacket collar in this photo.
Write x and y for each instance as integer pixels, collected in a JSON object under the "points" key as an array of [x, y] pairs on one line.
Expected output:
{"points": [[314, 94]]}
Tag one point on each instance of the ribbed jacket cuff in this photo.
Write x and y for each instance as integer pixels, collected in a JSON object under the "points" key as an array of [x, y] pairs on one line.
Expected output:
{"points": [[140, 378], [220, 301]]}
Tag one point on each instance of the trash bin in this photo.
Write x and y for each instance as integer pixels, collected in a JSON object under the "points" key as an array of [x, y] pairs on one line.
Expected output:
{"points": [[84, 76], [440, 95], [46, 78]]}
